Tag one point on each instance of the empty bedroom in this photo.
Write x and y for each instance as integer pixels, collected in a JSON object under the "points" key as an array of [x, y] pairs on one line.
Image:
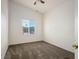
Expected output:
{"points": [[39, 29]]}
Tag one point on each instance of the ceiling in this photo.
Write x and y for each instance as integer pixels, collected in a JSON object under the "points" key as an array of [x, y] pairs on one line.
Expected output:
{"points": [[49, 4]]}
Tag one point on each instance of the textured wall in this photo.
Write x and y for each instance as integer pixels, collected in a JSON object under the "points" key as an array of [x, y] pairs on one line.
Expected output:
{"points": [[17, 14], [59, 26]]}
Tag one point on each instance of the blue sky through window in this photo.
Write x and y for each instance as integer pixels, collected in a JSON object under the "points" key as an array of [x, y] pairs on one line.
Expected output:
{"points": [[28, 23]]}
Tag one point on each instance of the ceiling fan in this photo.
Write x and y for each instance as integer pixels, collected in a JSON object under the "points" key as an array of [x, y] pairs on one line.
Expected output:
{"points": [[41, 1]]}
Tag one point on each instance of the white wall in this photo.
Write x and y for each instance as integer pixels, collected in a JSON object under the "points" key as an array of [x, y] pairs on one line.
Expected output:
{"points": [[4, 27], [17, 13], [59, 26]]}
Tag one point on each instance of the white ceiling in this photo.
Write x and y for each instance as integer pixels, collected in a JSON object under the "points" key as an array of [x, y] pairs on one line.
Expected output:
{"points": [[49, 4]]}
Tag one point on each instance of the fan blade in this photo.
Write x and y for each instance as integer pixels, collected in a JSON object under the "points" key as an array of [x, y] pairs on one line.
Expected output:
{"points": [[42, 1], [35, 3]]}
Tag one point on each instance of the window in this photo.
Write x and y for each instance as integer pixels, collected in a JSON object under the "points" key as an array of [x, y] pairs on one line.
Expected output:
{"points": [[28, 26]]}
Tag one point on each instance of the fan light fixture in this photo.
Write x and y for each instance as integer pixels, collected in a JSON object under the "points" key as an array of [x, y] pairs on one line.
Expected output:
{"points": [[41, 1]]}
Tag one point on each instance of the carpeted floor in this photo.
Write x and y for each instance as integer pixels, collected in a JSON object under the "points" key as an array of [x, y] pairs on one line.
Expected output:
{"points": [[37, 50]]}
